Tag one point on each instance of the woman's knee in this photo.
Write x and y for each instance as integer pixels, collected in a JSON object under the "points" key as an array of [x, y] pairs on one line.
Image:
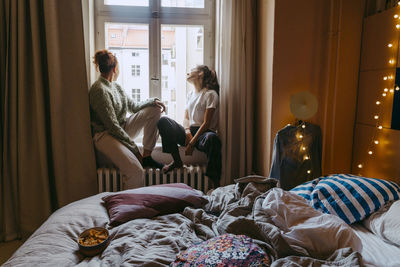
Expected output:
{"points": [[214, 141], [163, 124], [152, 112]]}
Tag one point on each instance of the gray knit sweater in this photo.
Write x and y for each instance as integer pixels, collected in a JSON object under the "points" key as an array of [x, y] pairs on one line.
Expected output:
{"points": [[108, 108]]}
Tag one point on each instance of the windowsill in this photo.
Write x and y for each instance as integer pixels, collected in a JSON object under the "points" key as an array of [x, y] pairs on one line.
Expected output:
{"points": [[198, 157]]}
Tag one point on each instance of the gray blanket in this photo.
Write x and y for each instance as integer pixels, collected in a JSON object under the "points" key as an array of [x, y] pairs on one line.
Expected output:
{"points": [[249, 207]]}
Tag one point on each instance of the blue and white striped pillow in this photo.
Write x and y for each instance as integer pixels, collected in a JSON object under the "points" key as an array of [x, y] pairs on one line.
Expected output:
{"points": [[350, 197]]}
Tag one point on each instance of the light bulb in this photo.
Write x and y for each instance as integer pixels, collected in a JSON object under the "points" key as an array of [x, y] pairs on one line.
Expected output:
{"points": [[303, 126], [378, 102], [390, 45], [300, 136], [306, 157], [360, 166], [396, 16], [398, 3], [390, 77], [391, 61], [308, 171], [304, 148], [391, 90], [376, 142], [380, 127], [397, 88], [385, 78], [398, 26], [376, 117], [384, 94], [385, 89], [370, 152]]}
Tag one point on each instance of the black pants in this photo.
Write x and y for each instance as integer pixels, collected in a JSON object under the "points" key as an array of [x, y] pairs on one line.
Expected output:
{"points": [[173, 134]]}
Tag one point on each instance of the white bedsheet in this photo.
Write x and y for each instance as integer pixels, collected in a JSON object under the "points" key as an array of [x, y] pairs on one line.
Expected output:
{"points": [[375, 251]]}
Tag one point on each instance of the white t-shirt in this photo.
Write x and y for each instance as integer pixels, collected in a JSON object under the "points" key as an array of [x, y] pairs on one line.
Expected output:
{"points": [[198, 102]]}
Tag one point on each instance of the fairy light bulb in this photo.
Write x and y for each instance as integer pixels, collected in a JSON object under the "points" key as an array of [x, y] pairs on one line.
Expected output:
{"points": [[385, 78], [385, 89], [300, 136], [391, 61], [308, 171], [397, 26], [390, 77], [303, 148], [306, 157], [396, 16], [391, 90], [380, 127], [378, 102], [303, 126], [398, 3], [376, 142], [370, 152], [360, 166], [397, 88], [384, 94], [390, 45], [376, 117]]}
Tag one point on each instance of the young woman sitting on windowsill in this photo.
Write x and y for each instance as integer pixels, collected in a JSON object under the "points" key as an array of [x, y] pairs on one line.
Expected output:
{"points": [[199, 125]]}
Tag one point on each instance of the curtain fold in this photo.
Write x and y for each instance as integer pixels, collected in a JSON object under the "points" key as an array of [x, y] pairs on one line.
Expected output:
{"points": [[46, 152], [235, 65]]}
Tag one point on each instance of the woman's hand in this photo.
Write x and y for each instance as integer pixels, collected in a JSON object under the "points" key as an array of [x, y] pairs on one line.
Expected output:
{"points": [[189, 149], [160, 105], [189, 137]]}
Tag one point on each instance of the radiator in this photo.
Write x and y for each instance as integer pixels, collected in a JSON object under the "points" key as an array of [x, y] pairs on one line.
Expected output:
{"points": [[109, 180]]}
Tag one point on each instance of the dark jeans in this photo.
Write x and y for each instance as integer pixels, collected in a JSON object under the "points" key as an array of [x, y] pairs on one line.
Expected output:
{"points": [[173, 134]]}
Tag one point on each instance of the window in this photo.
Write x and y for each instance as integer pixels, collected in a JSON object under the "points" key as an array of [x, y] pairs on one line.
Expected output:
{"points": [[136, 95], [135, 70], [157, 42]]}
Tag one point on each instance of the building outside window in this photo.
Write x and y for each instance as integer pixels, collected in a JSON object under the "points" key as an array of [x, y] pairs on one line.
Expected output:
{"points": [[155, 54], [135, 70], [136, 94]]}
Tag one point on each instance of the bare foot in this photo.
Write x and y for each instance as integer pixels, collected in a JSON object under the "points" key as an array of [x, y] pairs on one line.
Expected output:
{"points": [[171, 166]]}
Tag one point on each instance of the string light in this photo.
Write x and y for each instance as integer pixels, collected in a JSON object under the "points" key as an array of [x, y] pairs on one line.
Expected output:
{"points": [[385, 78], [378, 102], [300, 136], [308, 171], [390, 45], [391, 61], [376, 117], [398, 26], [385, 89], [396, 16], [397, 88], [380, 127], [306, 158], [384, 94], [370, 152], [360, 166], [376, 142], [303, 126]]}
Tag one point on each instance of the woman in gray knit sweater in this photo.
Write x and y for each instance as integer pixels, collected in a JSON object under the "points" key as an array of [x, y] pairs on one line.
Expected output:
{"points": [[113, 132]]}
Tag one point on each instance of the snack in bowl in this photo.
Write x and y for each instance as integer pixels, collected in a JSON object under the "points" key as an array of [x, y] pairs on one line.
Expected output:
{"points": [[93, 241]]}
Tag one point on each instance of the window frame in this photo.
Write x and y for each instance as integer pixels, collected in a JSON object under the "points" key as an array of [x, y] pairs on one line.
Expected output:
{"points": [[155, 17]]}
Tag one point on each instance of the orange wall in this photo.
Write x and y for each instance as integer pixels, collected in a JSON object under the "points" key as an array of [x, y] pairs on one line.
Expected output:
{"points": [[316, 47]]}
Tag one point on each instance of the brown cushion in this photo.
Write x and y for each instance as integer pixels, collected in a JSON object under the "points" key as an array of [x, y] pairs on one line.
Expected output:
{"points": [[151, 201]]}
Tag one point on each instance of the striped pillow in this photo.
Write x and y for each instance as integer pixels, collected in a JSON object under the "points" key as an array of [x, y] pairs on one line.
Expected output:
{"points": [[350, 197]]}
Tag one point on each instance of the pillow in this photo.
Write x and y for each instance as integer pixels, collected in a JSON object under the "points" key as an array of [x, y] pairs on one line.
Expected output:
{"points": [[150, 201], [350, 197], [224, 250], [386, 223]]}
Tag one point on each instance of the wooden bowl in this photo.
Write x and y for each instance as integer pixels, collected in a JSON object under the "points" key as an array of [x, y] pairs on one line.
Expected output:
{"points": [[95, 234]]}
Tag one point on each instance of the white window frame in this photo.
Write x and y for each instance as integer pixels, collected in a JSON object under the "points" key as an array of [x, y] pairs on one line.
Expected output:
{"points": [[154, 15]]}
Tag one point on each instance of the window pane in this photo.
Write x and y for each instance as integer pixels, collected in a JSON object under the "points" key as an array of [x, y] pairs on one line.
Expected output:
{"points": [[181, 51], [183, 3], [127, 2], [130, 43]]}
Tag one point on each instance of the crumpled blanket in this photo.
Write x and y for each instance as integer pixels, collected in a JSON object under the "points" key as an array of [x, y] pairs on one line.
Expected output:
{"points": [[252, 206], [283, 224]]}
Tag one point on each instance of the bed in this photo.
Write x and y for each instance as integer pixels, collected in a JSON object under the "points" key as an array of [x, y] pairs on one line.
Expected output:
{"points": [[280, 222]]}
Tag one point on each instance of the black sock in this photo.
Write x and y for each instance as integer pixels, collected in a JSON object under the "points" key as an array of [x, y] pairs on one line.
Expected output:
{"points": [[151, 163]]}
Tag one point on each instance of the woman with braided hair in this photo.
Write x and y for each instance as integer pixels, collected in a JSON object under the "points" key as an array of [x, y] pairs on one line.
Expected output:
{"points": [[200, 124]]}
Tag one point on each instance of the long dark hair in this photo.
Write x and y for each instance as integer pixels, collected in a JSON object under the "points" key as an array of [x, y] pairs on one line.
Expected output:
{"points": [[210, 80]]}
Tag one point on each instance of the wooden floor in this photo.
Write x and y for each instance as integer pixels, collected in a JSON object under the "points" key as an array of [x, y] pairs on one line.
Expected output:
{"points": [[7, 249]]}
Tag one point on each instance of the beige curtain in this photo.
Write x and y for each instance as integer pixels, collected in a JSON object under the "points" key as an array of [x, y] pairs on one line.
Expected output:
{"points": [[46, 152], [235, 59]]}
